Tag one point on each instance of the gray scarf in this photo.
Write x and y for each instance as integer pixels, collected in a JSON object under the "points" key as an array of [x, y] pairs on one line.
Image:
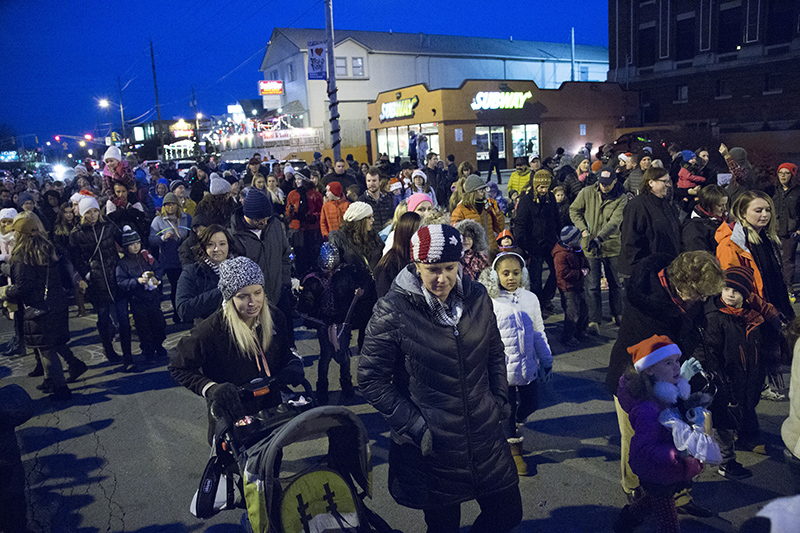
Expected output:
{"points": [[446, 313]]}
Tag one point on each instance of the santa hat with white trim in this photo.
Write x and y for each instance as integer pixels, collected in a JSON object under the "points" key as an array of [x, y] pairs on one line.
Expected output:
{"points": [[651, 351]]}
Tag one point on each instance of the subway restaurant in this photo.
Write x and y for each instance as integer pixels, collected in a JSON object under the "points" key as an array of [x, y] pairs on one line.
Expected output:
{"points": [[517, 116]]}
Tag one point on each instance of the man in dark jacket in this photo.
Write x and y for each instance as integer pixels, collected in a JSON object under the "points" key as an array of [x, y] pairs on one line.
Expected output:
{"points": [[436, 178], [340, 173], [381, 203]]}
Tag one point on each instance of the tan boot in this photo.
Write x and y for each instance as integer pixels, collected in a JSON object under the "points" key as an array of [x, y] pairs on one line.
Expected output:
{"points": [[516, 453]]}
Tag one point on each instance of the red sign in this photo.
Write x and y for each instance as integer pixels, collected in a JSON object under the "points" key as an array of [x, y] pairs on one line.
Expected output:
{"points": [[266, 87]]}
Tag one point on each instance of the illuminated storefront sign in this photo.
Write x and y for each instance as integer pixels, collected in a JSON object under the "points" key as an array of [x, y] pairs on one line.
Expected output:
{"points": [[266, 87], [497, 100], [181, 129], [398, 109]]}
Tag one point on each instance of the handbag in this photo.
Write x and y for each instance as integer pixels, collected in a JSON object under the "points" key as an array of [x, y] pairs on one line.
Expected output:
{"points": [[32, 312]]}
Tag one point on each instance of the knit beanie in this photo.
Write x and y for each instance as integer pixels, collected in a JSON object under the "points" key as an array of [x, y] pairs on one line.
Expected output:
{"points": [[129, 236], [597, 165], [112, 153], [421, 174], [200, 219], [474, 183], [417, 198], [542, 177], [578, 159], [257, 205], [438, 243], [86, 203], [8, 212], [25, 225], [651, 351], [24, 197], [738, 154], [335, 188], [790, 167], [236, 274], [170, 198], [688, 155], [357, 211], [570, 235], [218, 185], [175, 184], [740, 278]]}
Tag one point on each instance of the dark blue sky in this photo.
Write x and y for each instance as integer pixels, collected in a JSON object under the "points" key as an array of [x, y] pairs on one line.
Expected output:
{"points": [[60, 58]]}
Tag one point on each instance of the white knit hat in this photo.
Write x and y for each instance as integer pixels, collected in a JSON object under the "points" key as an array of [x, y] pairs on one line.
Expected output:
{"points": [[357, 211], [8, 212], [218, 185], [112, 153], [86, 203], [420, 173]]}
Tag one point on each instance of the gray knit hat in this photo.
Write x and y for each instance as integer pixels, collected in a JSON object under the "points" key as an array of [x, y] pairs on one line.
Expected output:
{"points": [[474, 183], [236, 274]]}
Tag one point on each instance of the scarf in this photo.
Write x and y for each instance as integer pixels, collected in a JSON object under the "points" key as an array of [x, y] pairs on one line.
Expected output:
{"points": [[479, 205], [212, 265], [443, 313], [768, 261], [582, 177]]}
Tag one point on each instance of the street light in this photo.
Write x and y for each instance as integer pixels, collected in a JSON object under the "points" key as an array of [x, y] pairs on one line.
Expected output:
{"points": [[105, 103]]}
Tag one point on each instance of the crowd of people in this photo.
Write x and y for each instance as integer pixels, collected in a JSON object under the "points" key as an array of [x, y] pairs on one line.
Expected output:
{"points": [[699, 273]]}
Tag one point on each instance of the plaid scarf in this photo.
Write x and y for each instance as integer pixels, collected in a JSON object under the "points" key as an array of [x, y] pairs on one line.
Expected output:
{"points": [[445, 314]]}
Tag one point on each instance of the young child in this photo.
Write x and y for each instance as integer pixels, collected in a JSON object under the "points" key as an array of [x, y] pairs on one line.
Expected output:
{"points": [[732, 341], [528, 354], [16, 344], [397, 191], [655, 392], [571, 269], [139, 276], [560, 192], [505, 240], [494, 192], [476, 247]]}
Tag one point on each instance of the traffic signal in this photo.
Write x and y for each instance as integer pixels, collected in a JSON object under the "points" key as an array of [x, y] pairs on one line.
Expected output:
{"points": [[88, 136], [58, 138]]}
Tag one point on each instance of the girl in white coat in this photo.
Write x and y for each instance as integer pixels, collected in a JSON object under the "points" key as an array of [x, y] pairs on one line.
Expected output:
{"points": [[528, 355]]}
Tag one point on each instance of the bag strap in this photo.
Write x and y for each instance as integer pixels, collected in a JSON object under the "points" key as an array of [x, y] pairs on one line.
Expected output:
{"points": [[47, 281]]}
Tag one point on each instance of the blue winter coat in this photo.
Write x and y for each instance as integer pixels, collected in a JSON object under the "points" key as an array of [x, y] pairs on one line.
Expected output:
{"points": [[168, 250]]}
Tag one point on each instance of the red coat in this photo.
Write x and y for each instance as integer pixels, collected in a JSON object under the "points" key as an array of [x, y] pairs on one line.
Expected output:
{"points": [[570, 263], [311, 220]]}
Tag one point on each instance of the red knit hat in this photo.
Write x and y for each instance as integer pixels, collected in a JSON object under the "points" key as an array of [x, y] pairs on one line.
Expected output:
{"points": [[596, 166], [335, 188], [790, 167], [651, 351]]}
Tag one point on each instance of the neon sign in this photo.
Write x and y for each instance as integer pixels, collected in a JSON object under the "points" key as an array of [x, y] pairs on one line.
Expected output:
{"points": [[266, 87], [497, 100], [398, 109]]}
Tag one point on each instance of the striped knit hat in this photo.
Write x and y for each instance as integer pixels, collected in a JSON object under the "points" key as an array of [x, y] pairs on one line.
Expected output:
{"points": [[438, 243], [740, 278], [651, 351]]}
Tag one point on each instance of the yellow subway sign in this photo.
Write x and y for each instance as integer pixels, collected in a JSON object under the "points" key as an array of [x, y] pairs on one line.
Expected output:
{"points": [[498, 100]]}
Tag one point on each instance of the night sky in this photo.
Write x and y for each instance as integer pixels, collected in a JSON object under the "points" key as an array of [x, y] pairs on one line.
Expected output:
{"points": [[61, 58]]}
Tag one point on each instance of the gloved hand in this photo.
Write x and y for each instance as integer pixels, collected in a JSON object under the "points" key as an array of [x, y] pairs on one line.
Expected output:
{"points": [[82, 286], [545, 374], [292, 374], [225, 401], [595, 245], [690, 368]]}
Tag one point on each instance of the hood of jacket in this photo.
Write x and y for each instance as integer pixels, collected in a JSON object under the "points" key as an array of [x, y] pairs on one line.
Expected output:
{"points": [[645, 290], [736, 234]]}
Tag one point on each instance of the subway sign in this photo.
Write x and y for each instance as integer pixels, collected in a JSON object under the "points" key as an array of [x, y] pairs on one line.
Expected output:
{"points": [[398, 109], [498, 100]]}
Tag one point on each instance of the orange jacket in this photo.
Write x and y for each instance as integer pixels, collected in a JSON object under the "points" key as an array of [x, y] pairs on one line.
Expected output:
{"points": [[732, 251], [492, 219], [332, 215]]}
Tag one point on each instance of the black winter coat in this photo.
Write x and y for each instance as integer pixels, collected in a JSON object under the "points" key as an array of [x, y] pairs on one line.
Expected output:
{"points": [[787, 210], [649, 225], [649, 311], [536, 225], [349, 253], [698, 232], [198, 293], [129, 270], [51, 329], [574, 185], [94, 250], [454, 379]]}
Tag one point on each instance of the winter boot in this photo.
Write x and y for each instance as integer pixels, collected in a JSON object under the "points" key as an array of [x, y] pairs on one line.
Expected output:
{"points": [[45, 386], [61, 394], [38, 370], [322, 392], [347, 389], [106, 339], [627, 522], [76, 369], [516, 453]]}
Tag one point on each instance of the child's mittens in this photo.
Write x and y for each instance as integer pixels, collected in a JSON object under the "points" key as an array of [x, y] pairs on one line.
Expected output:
{"points": [[690, 367]]}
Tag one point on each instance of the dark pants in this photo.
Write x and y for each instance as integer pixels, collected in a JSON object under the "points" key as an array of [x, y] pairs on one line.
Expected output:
{"points": [[500, 512], [725, 438], [793, 463], [150, 324], [285, 305], [494, 165], [524, 400], [593, 293], [545, 292], [325, 356], [106, 328], [576, 314], [789, 254], [173, 274]]}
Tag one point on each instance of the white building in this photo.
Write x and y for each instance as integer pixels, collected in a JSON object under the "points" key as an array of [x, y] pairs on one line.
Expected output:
{"points": [[369, 62]]}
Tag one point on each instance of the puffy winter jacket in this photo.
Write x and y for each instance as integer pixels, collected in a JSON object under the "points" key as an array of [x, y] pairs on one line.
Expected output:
{"points": [[491, 219], [536, 224], [601, 216], [787, 210], [575, 185], [451, 380], [94, 252], [518, 181], [698, 232], [168, 249], [569, 264], [519, 319], [129, 270], [198, 293], [732, 250], [51, 329], [332, 215]]}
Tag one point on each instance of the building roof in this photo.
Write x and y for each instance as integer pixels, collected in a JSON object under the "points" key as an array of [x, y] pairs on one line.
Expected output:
{"points": [[425, 44]]}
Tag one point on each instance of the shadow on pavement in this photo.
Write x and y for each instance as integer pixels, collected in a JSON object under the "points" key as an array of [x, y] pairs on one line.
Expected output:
{"points": [[35, 438]]}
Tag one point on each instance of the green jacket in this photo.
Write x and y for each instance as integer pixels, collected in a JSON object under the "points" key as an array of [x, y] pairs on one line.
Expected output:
{"points": [[602, 218]]}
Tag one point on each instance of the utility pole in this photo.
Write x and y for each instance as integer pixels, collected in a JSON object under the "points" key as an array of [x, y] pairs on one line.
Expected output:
{"points": [[332, 89], [158, 107], [572, 77], [121, 112], [196, 127]]}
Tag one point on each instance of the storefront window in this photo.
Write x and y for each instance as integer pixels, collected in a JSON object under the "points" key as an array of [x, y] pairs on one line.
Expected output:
{"points": [[394, 141], [485, 135], [525, 139], [391, 139], [402, 141], [382, 148]]}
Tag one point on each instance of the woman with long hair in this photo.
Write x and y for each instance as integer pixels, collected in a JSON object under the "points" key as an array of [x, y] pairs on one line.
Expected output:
{"points": [[399, 255], [358, 243], [198, 293], [419, 184], [38, 288], [710, 211], [474, 205], [65, 223], [167, 231], [244, 339]]}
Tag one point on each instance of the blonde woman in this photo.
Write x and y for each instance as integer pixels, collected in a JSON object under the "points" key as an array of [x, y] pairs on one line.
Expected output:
{"points": [[245, 339]]}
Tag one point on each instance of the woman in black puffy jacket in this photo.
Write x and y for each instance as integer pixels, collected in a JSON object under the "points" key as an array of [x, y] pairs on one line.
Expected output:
{"points": [[433, 365], [198, 296]]}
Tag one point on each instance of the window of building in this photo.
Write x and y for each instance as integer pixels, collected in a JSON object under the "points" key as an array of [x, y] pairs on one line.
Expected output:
{"points": [[782, 20], [647, 47], [341, 66], [664, 19], [358, 66], [772, 83], [685, 39], [705, 24], [274, 75], [525, 138], [290, 72], [681, 93], [723, 88], [485, 135], [753, 21], [394, 141], [584, 74], [730, 30]]}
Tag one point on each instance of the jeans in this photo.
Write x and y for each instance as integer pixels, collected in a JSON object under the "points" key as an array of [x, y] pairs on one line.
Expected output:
{"points": [[524, 400], [500, 512], [547, 292], [593, 294], [575, 314]]}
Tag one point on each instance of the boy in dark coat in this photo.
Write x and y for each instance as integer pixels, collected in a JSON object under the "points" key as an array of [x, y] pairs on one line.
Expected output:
{"points": [[571, 268], [139, 276]]}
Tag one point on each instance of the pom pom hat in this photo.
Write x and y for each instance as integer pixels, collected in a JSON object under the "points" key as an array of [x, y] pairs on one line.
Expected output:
{"points": [[112, 153], [129, 236], [570, 235], [437, 243], [651, 351], [236, 274]]}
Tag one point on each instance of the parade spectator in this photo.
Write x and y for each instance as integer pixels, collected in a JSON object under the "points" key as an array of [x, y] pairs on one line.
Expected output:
{"points": [[709, 213], [303, 211], [161, 189], [275, 193], [642, 161], [563, 205], [333, 209], [244, 339], [399, 255], [49, 207], [260, 183], [419, 184], [94, 255], [442, 453], [139, 278], [744, 177], [436, 179], [381, 203], [494, 163], [787, 213], [422, 149], [581, 177], [452, 169], [356, 240], [254, 168], [476, 247], [689, 182], [198, 296], [117, 169], [536, 233], [65, 223], [167, 232], [571, 270], [122, 212], [217, 206], [16, 408], [186, 251], [597, 213], [528, 355], [493, 192], [188, 206], [340, 174], [649, 222], [476, 206]]}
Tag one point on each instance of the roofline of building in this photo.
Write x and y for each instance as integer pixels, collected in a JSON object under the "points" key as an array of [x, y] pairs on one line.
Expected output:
{"points": [[463, 83]]}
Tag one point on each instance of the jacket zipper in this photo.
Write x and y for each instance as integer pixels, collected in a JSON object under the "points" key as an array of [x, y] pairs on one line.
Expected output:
{"points": [[466, 405]]}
